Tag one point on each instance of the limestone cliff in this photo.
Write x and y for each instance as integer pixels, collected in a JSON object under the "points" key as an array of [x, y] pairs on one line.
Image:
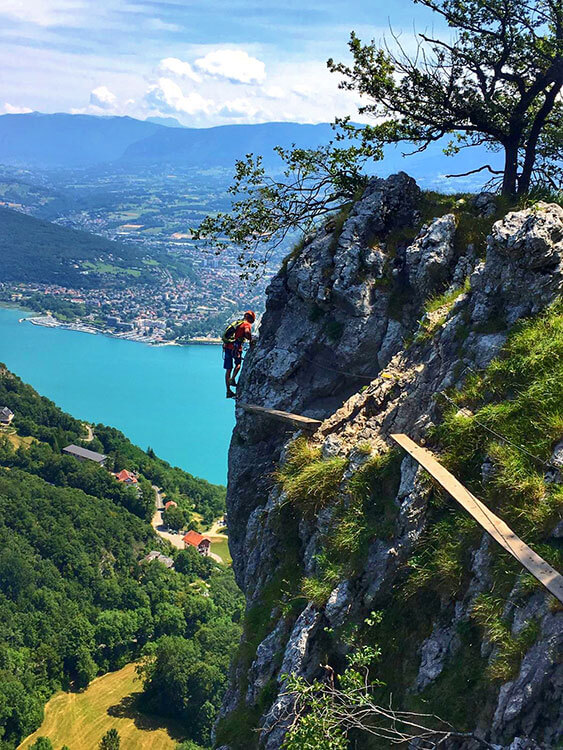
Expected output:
{"points": [[373, 326]]}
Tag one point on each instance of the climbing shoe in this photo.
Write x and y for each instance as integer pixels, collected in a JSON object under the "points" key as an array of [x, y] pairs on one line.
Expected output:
{"points": [[230, 394]]}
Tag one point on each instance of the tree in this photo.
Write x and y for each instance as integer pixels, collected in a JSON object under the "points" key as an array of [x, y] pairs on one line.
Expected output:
{"points": [[496, 83], [110, 740], [266, 211], [324, 713], [191, 563], [42, 743], [174, 518]]}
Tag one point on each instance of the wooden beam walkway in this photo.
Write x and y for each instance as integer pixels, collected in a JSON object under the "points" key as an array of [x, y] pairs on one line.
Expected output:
{"points": [[295, 420], [493, 525]]}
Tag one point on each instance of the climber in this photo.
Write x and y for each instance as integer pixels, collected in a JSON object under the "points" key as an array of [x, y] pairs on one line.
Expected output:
{"points": [[233, 339]]}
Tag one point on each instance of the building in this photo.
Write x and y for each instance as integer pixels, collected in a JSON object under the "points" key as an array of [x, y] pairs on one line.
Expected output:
{"points": [[83, 454], [159, 557], [197, 540], [126, 477], [170, 504], [6, 415]]}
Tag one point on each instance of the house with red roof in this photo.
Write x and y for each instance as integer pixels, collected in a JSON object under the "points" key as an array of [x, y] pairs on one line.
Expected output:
{"points": [[126, 477], [197, 540], [170, 504]]}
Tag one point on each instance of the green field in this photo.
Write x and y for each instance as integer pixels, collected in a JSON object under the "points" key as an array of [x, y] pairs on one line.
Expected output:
{"points": [[220, 546], [100, 267], [79, 720]]}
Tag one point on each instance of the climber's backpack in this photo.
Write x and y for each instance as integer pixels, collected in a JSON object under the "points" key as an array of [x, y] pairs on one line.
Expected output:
{"points": [[229, 337]]}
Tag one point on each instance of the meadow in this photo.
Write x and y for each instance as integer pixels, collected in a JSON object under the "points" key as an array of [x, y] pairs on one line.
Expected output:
{"points": [[79, 720]]}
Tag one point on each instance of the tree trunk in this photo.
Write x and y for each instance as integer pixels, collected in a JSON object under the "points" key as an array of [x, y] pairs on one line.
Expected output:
{"points": [[539, 122], [510, 168]]}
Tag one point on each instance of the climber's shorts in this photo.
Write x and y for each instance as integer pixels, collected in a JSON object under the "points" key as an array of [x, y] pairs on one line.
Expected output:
{"points": [[232, 357]]}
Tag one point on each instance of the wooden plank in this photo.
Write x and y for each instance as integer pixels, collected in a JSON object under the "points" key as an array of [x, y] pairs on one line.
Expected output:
{"points": [[296, 420], [493, 525]]}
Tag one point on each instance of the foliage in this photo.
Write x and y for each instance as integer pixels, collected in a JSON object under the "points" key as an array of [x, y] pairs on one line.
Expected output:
{"points": [[40, 418], [110, 740], [326, 712], [509, 416], [42, 743], [520, 399], [191, 493], [487, 611], [174, 518], [32, 250], [365, 511], [266, 210], [61, 308], [191, 563], [185, 678], [495, 83], [437, 301], [74, 599], [308, 480]]}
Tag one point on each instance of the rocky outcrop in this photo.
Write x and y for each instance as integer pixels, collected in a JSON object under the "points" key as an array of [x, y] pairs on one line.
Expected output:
{"points": [[344, 340]]}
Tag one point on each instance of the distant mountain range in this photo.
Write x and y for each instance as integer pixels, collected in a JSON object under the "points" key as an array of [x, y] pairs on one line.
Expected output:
{"points": [[61, 140], [38, 140]]}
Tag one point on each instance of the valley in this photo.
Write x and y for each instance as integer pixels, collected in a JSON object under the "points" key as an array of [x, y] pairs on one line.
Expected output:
{"points": [[139, 274]]}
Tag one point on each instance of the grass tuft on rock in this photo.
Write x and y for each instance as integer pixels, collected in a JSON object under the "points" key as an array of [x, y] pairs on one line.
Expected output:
{"points": [[509, 649], [308, 480], [365, 511], [507, 418], [512, 416]]}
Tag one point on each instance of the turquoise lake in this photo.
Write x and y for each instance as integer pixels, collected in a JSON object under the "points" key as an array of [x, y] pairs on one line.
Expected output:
{"points": [[171, 397]]}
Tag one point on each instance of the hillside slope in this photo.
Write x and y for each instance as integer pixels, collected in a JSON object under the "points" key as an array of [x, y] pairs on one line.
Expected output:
{"points": [[77, 598], [33, 250], [433, 317]]}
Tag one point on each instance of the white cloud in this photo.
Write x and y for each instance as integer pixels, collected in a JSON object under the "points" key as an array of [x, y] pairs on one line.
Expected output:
{"points": [[42, 12], [243, 108], [177, 67], [102, 97], [232, 64], [12, 109], [156, 24], [166, 96], [274, 92]]}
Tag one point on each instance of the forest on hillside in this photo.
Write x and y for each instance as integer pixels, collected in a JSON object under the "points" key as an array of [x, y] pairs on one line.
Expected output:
{"points": [[33, 250], [76, 597]]}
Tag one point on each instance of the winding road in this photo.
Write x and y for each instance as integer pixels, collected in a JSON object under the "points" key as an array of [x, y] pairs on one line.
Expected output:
{"points": [[156, 522]]}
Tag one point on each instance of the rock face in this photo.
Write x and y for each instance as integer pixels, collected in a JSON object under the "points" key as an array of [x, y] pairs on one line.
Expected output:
{"points": [[336, 343]]}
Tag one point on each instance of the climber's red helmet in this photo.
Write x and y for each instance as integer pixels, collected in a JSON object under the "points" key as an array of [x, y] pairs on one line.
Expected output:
{"points": [[250, 316]]}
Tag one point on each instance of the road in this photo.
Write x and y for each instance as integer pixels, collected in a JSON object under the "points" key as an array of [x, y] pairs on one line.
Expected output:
{"points": [[90, 432], [174, 539]]}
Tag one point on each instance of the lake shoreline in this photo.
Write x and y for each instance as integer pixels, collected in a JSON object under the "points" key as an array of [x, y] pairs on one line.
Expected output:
{"points": [[171, 398], [50, 321]]}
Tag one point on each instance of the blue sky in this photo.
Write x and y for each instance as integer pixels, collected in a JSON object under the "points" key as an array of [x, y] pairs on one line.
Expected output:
{"points": [[204, 62]]}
